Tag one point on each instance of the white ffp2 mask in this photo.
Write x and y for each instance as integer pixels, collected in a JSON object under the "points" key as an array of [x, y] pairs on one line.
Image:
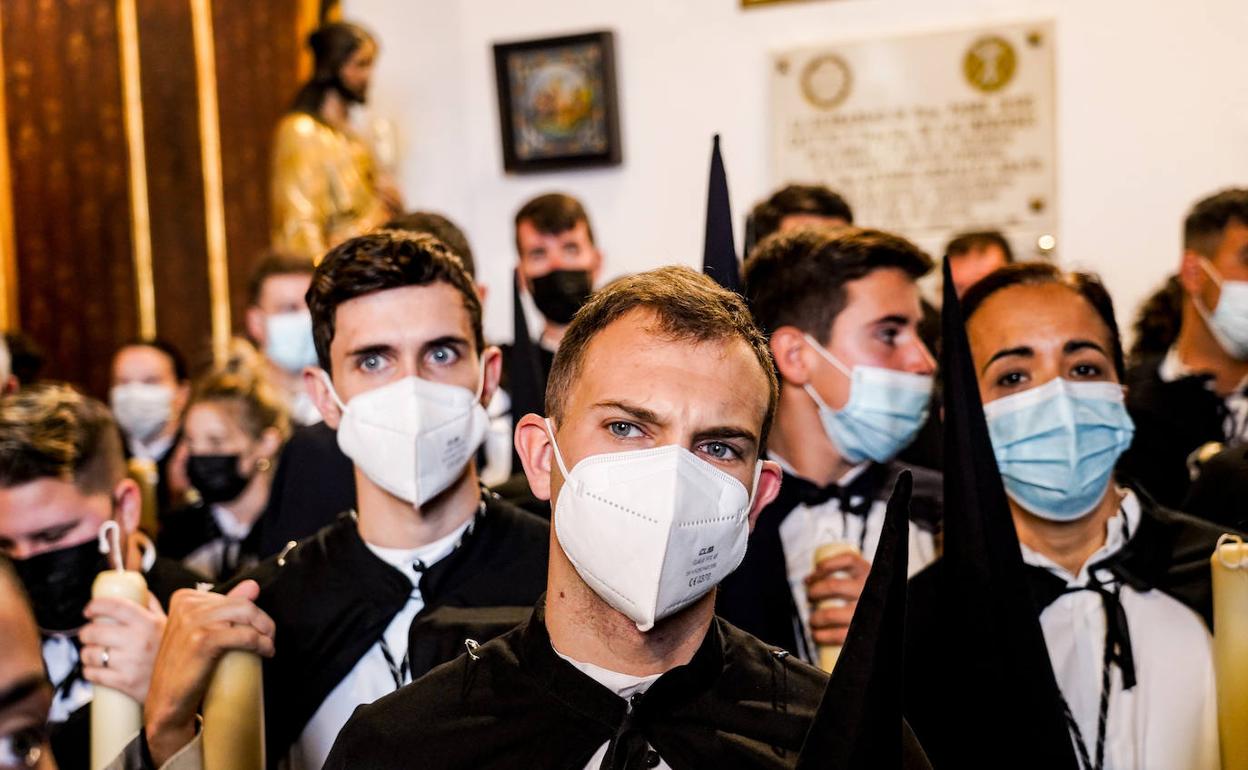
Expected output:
{"points": [[652, 530], [412, 437], [142, 409]]}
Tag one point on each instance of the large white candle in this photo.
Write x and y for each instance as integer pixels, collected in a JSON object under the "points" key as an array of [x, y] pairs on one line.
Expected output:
{"points": [[115, 717], [234, 714], [1230, 648], [829, 653]]}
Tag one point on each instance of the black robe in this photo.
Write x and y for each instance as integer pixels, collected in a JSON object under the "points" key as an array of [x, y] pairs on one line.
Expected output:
{"points": [[71, 739], [757, 597], [1172, 419], [1169, 552], [313, 483], [516, 704], [332, 598], [187, 529]]}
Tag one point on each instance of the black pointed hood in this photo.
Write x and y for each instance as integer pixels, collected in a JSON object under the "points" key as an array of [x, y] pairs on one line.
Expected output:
{"points": [[859, 722], [719, 253], [526, 382], [1001, 701]]}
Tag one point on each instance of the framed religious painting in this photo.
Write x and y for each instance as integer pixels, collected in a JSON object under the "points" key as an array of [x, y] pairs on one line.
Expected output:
{"points": [[557, 103]]}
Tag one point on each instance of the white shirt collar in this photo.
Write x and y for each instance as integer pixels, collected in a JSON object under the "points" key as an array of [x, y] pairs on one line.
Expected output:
{"points": [[845, 479], [229, 525], [1173, 368], [406, 559], [151, 450], [623, 685], [1118, 531]]}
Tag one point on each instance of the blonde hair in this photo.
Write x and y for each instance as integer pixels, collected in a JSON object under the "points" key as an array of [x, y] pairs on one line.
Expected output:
{"points": [[242, 383], [53, 431]]}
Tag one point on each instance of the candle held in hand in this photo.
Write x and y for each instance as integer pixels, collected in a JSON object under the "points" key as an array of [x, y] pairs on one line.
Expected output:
{"points": [[115, 717], [829, 653]]}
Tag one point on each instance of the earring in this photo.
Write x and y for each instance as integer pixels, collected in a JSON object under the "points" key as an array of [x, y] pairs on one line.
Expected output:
{"points": [[263, 464]]}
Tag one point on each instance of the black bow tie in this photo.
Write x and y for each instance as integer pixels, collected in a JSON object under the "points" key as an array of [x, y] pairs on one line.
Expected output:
{"points": [[855, 497]]}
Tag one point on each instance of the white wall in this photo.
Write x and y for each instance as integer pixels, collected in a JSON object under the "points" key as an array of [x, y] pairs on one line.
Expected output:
{"points": [[1152, 114]]}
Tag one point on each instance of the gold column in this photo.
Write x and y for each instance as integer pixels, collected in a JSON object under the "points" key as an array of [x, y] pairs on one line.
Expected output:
{"points": [[307, 18], [8, 244], [214, 192], [140, 216]]}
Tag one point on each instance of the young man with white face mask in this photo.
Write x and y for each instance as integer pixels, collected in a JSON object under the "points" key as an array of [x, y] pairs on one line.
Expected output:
{"points": [[428, 558], [279, 323], [841, 309], [1121, 585], [1197, 392], [659, 401]]}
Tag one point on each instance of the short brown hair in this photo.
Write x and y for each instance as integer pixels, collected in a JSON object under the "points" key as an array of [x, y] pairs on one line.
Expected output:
{"points": [[439, 227], [686, 306], [54, 432], [386, 259], [1207, 221], [798, 278], [811, 200], [552, 214], [965, 243], [272, 264], [242, 384]]}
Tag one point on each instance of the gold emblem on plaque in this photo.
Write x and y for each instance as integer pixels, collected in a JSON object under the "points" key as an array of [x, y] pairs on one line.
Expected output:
{"points": [[990, 63], [826, 81]]}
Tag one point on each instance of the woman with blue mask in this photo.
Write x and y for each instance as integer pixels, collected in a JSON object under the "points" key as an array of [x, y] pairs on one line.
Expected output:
{"points": [[1121, 585]]}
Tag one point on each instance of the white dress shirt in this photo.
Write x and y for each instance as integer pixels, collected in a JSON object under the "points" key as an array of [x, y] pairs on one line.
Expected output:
{"points": [[372, 676], [1168, 720], [806, 528], [623, 685]]}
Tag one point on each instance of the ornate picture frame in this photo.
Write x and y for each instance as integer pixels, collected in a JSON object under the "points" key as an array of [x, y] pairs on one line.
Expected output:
{"points": [[557, 104]]}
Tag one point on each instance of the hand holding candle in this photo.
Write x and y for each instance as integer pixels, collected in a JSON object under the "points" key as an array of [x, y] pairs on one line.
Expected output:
{"points": [[833, 589], [115, 715], [203, 627]]}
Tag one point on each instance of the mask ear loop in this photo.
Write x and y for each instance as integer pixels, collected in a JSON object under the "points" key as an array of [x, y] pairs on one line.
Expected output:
{"points": [[110, 544], [554, 445], [831, 359], [330, 384]]}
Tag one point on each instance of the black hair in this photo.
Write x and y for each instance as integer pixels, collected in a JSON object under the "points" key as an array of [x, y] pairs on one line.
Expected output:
{"points": [[1202, 230], [964, 243], [554, 213], [441, 228], [378, 261], [1157, 324], [815, 200], [274, 263], [1086, 285], [180, 369], [333, 44], [798, 278]]}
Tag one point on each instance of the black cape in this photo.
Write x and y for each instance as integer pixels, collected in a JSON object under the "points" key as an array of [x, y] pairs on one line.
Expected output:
{"points": [[1169, 552], [756, 597], [313, 483], [1172, 419], [332, 598], [71, 739], [517, 704]]}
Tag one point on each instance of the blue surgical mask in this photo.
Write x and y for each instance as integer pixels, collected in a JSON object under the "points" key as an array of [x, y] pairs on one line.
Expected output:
{"points": [[1056, 445], [885, 410], [288, 340], [1229, 320]]}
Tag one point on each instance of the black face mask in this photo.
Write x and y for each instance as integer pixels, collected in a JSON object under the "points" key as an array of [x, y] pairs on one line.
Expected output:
{"points": [[560, 293], [216, 477], [59, 583]]}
